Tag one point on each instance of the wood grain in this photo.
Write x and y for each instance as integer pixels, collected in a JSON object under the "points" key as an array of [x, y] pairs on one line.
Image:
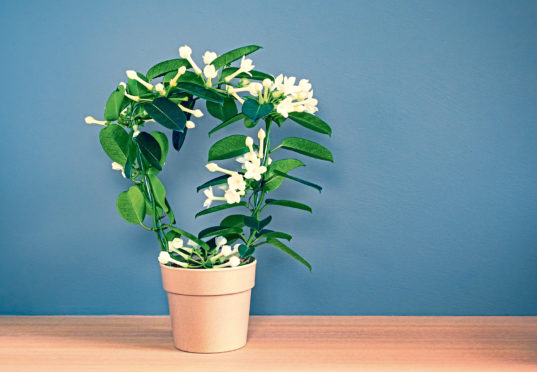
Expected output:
{"points": [[276, 343]]}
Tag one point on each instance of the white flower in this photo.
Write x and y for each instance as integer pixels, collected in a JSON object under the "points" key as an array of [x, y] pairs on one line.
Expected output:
{"points": [[209, 57], [197, 113], [177, 243], [232, 196], [131, 74], [226, 250], [234, 261], [261, 135], [210, 197], [117, 166], [254, 89], [180, 71], [164, 258], [310, 105], [246, 66], [236, 247], [285, 107], [220, 241], [213, 167], [186, 53], [92, 120], [160, 89], [254, 169], [304, 85], [210, 72], [190, 124], [131, 97], [267, 83], [236, 182], [246, 157], [192, 243]]}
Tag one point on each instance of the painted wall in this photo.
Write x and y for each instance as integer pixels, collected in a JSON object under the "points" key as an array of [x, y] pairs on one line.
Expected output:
{"points": [[430, 209]]}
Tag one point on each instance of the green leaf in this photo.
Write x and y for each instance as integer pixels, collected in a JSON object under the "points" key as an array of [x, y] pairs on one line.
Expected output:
{"points": [[171, 216], [178, 138], [255, 111], [163, 142], [256, 225], [227, 122], [304, 182], [114, 105], [116, 143], [307, 147], [191, 237], [256, 75], [278, 244], [289, 203], [131, 205], [150, 149], [166, 113], [137, 89], [220, 208], [158, 191], [273, 234], [310, 121], [245, 251], [283, 165], [228, 147], [219, 231], [163, 68], [202, 92], [233, 55], [222, 112], [188, 76], [215, 181], [234, 220]]}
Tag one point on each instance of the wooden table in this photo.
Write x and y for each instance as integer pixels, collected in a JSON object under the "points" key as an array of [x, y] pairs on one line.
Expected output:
{"points": [[276, 343]]}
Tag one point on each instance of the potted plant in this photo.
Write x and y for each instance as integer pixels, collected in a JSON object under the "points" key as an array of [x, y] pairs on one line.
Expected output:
{"points": [[209, 276]]}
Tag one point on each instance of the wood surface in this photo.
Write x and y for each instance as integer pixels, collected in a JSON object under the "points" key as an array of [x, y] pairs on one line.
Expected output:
{"points": [[276, 343]]}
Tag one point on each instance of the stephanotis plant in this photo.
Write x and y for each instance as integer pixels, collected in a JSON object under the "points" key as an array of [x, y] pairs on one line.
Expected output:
{"points": [[167, 94]]}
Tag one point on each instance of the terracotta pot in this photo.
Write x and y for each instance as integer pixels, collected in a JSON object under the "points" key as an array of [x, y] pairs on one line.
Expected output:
{"points": [[209, 309]]}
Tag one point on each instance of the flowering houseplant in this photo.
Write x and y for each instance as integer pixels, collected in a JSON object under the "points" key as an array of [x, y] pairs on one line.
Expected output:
{"points": [[170, 101]]}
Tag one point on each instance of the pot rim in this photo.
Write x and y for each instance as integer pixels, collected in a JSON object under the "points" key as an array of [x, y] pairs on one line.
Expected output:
{"points": [[236, 268]]}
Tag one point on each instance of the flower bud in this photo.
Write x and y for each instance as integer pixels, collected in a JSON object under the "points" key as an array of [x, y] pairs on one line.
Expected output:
{"points": [[190, 124], [244, 82], [249, 141], [212, 167], [177, 243], [185, 51], [234, 261], [261, 134]]}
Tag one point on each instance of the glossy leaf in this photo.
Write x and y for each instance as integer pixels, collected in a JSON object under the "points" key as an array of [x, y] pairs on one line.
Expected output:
{"points": [[228, 147], [255, 75], [289, 203], [166, 113], [283, 165], [278, 244], [304, 182], [131, 205], [256, 225], [163, 68], [158, 191], [227, 122], [222, 111], [273, 234], [116, 143], [188, 76], [215, 181], [150, 149], [233, 55], [137, 89], [163, 142], [307, 147], [310, 121], [169, 211], [114, 105], [255, 111], [245, 251], [220, 208], [234, 220], [219, 231], [248, 123], [178, 138], [201, 92]]}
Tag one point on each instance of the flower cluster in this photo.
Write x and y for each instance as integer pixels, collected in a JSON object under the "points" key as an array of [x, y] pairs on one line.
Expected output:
{"points": [[222, 256], [252, 169]]}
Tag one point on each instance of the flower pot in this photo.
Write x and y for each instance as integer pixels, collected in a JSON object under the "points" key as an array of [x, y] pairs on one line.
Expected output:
{"points": [[209, 309]]}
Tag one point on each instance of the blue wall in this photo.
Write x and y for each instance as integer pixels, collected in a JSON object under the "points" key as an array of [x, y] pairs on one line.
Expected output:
{"points": [[430, 209]]}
